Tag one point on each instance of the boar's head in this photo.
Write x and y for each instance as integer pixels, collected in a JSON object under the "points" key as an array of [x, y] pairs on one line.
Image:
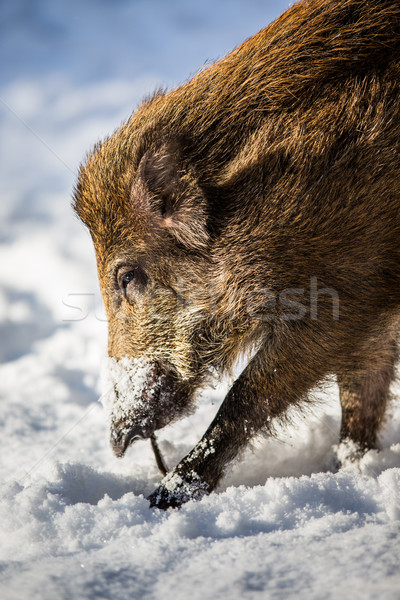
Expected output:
{"points": [[147, 215]]}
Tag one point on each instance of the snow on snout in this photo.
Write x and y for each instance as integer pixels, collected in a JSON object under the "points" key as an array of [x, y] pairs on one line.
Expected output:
{"points": [[128, 386]]}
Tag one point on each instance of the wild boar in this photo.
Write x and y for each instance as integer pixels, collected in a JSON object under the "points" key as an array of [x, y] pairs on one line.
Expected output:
{"points": [[255, 208]]}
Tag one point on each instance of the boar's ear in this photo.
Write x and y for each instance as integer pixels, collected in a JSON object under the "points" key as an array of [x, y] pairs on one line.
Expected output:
{"points": [[175, 199]]}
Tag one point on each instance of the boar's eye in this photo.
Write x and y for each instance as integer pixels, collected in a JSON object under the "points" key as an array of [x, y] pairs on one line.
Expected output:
{"points": [[130, 280], [127, 278]]}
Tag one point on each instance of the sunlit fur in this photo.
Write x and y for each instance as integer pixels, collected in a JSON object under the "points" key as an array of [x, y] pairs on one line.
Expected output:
{"points": [[275, 165]]}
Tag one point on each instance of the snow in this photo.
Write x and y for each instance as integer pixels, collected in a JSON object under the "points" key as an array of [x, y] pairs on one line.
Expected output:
{"points": [[123, 382], [74, 519]]}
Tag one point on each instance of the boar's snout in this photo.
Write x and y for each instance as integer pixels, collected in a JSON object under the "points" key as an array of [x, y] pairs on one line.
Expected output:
{"points": [[121, 438], [140, 397]]}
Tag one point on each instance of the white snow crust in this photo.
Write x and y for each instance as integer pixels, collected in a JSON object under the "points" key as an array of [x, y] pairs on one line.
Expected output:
{"points": [[74, 520], [122, 385]]}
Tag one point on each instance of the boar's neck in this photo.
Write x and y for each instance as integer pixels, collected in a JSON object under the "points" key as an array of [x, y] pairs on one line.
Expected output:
{"points": [[286, 65]]}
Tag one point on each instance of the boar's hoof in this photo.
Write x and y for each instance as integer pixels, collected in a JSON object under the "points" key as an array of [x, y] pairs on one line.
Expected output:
{"points": [[121, 440], [176, 490]]}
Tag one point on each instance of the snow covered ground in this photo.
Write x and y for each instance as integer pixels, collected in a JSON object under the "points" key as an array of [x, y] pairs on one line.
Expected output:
{"points": [[74, 522]]}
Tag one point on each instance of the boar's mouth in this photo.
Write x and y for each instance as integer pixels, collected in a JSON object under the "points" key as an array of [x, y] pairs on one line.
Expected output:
{"points": [[142, 397], [121, 438]]}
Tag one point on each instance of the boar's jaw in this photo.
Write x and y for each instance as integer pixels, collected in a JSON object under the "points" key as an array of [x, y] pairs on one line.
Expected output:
{"points": [[140, 397]]}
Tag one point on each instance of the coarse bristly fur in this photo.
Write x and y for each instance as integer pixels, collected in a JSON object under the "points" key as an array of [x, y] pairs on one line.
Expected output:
{"points": [[257, 206]]}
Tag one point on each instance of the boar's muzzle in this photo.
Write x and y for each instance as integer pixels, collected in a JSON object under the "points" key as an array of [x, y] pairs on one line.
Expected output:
{"points": [[140, 397], [121, 438]]}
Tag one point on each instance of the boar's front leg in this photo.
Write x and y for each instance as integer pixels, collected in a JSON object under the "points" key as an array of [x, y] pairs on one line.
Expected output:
{"points": [[271, 382]]}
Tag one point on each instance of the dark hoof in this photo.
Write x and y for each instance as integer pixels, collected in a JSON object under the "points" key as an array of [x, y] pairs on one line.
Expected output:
{"points": [[175, 491]]}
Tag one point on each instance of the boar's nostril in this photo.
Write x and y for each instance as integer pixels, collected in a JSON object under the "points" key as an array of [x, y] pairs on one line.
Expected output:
{"points": [[120, 441]]}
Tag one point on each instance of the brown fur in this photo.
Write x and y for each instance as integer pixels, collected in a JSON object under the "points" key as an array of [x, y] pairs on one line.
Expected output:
{"points": [[272, 177]]}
